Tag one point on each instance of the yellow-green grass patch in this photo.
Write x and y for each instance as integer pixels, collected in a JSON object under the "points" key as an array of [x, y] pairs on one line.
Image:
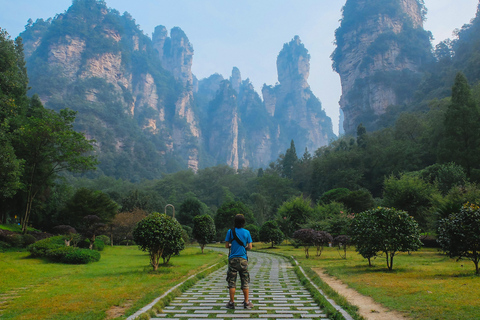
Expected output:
{"points": [[423, 285], [123, 279]]}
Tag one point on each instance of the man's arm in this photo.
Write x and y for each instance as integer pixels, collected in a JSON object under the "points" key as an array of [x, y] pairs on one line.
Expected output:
{"points": [[249, 246], [227, 244]]}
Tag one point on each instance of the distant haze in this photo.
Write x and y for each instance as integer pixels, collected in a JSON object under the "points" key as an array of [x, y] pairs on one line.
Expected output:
{"points": [[248, 34]]}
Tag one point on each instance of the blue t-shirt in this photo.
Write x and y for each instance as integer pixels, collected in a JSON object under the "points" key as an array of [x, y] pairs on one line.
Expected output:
{"points": [[236, 250]]}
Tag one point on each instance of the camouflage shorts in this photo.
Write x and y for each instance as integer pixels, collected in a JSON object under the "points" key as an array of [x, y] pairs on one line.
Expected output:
{"points": [[238, 265]]}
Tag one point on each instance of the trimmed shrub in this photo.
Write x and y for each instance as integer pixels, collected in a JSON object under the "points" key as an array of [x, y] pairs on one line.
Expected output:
{"points": [[104, 238], [28, 239], [84, 244], [98, 245], [81, 256], [15, 240], [4, 245], [40, 248], [58, 254]]}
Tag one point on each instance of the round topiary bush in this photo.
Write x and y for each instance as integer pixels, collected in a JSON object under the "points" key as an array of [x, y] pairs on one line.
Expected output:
{"points": [[160, 235], [40, 248], [98, 245]]}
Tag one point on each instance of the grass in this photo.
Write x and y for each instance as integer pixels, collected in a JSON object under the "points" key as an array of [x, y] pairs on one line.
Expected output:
{"points": [[120, 283], [15, 228], [423, 285]]}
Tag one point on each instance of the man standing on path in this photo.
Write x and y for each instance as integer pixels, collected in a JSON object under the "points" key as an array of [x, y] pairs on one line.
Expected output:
{"points": [[238, 240]]}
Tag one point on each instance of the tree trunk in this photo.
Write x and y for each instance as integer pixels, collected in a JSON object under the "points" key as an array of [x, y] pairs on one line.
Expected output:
{"points": [[202, 246]]}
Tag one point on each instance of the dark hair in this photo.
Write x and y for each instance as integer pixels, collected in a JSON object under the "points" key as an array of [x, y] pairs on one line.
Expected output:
{"points": [[239, 221]]}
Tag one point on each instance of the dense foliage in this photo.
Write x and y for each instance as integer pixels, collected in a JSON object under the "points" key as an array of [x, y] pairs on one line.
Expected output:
{"points": [[203, 230], [271, 233], [160, 235], [54, 249], [459, 234], [385, 230], [36, 143]]}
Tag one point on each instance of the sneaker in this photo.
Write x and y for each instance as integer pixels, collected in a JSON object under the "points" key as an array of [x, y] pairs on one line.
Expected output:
{"points": [[230, 305], [247, 305]]}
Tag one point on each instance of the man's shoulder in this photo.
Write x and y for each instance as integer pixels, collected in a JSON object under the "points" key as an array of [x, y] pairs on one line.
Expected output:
{"points": [[243, 231]]}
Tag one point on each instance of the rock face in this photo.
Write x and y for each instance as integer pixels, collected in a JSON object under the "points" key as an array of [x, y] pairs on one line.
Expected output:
{"points": [[176, 55], [293, 106], [379, 55], [137, 97]]}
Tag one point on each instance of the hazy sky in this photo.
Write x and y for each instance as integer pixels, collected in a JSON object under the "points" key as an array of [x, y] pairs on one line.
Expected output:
{"points": [[248, 34]]}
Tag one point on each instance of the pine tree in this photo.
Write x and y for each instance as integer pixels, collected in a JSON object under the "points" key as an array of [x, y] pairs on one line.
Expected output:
{"points": [[462, 133], [289, 161]]}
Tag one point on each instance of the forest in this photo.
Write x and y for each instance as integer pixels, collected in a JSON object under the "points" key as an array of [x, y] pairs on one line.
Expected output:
{"points": [[424, 159]]}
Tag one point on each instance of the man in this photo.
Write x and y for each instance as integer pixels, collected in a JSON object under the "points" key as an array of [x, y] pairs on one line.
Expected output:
{"points": [[238, 240]]}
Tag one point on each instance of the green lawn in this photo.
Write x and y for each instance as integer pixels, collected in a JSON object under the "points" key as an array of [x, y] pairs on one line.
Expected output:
{"points": [[423, 285], [120, 283]]}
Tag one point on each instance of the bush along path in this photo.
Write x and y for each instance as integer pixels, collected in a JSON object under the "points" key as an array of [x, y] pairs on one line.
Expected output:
{"points": [[275, 291]]}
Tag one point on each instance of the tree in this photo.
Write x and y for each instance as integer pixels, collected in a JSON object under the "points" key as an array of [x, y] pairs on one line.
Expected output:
{"points": [[412, 194], [49, 145], [462, 133], [270, 233], [124, 223], [189, 209], [13, 100], [158, 233], [91, 227], [385, 230], [459, 234], [322, 238], [203, 230], [292, 214], [305, 238], [86, 202], [254, 231], [342, 242], [67, 231], [224, 219], [289, 161]]}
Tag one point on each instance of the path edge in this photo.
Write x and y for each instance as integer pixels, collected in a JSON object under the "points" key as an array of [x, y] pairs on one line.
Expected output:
{"points": [[148, 307]]}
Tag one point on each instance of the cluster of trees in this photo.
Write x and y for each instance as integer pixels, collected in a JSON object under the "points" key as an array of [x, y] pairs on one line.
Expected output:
{"points": [[36, 143]]}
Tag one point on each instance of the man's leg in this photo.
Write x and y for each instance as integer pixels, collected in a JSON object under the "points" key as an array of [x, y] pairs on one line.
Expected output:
{"points": [[245, 294], [231, 291]]}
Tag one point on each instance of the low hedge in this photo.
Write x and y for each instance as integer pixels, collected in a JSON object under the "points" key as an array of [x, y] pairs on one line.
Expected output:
{"points": [[55, 250], [58, 254], [81, 256], [40, 248]]}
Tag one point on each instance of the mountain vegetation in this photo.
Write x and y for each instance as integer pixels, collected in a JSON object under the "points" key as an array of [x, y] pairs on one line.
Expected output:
{"points": [[421, 158]]}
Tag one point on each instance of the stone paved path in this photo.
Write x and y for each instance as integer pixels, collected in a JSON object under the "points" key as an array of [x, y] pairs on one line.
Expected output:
{"points": [[275, 292]]}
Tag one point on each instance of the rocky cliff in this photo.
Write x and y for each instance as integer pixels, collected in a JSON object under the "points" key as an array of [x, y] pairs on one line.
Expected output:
{"points": [[297, 113], [381, 49], [137, 97]]}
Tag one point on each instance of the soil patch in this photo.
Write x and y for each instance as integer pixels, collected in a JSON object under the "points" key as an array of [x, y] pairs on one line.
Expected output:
{"points": [[367, 307], [118, 311]]}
